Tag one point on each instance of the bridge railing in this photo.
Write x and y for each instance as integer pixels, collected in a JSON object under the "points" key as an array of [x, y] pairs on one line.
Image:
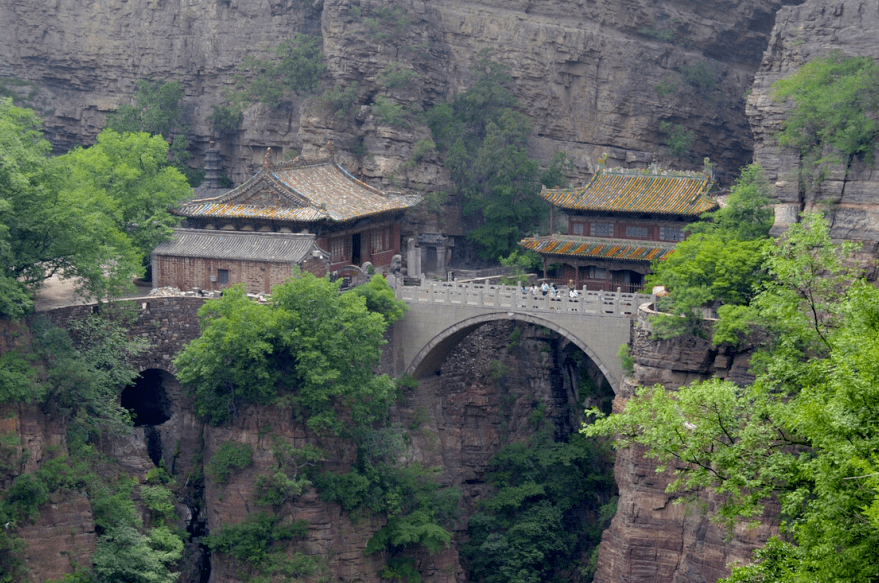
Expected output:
{"points": [[482, 295]]}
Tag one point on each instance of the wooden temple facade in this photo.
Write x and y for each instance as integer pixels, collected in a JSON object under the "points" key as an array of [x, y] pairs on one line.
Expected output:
{"points": [[306, 214], [619, 223]]}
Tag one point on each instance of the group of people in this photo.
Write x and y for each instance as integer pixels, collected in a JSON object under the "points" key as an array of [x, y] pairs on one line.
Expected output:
{"points": [[549, 288]]}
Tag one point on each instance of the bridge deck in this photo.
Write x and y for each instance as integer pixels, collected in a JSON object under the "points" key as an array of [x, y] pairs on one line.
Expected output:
{"points": [[611, 304]]}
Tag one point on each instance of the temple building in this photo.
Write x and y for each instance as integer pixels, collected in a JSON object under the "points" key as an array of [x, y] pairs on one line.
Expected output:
{"points": [[306, 214], [619, 223]]}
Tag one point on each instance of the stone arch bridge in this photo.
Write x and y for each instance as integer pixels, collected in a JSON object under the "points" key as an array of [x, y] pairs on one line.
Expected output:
{"points": [[441, 314]]}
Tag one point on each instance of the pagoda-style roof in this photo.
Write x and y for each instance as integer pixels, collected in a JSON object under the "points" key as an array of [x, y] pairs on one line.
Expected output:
{"points": [[653, 191], [598, 248], [299, 191], [238, 245]]}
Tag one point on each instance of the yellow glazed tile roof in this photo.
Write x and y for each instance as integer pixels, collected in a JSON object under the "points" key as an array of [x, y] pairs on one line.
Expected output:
{"points": [[303, 191], [652, 191], [598, 248]]}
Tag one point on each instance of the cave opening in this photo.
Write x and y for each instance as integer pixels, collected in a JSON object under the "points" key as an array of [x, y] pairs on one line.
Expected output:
{"points": [[147, 399]]}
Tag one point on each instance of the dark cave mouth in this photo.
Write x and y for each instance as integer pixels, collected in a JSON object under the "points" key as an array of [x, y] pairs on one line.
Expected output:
{"points": [[147, 399]]}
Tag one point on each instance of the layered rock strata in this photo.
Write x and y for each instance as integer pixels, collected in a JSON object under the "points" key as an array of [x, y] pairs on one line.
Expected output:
{"points": [[594, 76], [847, 196], [655, 535]]}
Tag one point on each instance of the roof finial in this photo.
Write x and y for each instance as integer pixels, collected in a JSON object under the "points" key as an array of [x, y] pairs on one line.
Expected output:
{"points": [[708, 169], [266, 162], [330, 150], [602, 160]]}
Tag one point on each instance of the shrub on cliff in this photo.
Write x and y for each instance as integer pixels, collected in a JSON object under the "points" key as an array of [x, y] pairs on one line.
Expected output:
{"points": [[483, 137], [836, 99]]}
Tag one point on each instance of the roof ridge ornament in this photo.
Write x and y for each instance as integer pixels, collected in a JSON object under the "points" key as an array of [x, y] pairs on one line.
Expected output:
{"points": [[266, 160]]}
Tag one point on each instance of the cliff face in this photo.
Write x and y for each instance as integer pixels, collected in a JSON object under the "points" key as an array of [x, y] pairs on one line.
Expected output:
{"points": [[484, 398], [651, 538], [594, 76], [801, 34]]}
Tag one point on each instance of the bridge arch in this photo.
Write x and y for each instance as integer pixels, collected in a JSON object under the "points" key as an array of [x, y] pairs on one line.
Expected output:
{"points": [[429, 358]]}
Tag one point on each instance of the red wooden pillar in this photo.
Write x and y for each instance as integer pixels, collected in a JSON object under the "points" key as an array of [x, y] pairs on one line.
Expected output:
{"points": [[577, 276], [544, 267]]}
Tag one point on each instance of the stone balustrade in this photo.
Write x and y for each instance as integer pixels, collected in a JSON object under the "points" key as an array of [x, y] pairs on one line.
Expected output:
{"points": [[505, 297]]}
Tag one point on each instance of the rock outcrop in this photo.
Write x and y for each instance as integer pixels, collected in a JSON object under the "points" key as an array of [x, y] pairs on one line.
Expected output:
{"points": [[653, 538], [803, 33]]}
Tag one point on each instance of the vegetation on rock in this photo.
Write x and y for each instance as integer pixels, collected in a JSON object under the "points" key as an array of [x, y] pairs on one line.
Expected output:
{"points": [[534, 527], [802, 433], [483, 137], [720, 262], [833, 119], [311, 348], [93, 214], [158, 111]]}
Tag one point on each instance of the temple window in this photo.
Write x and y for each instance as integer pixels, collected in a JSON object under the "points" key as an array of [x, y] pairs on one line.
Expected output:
{"points": [[338, 249], [601, 229], [671, 234], [637, 233]]}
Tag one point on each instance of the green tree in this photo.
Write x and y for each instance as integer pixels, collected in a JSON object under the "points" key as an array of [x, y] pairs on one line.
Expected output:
{"points": [[484, 139], [532, 527], [311, 348], [802, 433], [124, 554], [88, 215], [131, 174], [835, 103], [380, 298], [158, 111], [295, 69], [721, 261]]}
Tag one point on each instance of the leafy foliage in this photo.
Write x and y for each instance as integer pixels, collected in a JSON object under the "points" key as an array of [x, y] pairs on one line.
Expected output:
{"points": [[679, 139], [296, 69], [91, 214], [390, 113], [802, 433], [396, 76], [721, 262], [124, 554], [532, 528], [414, 502], [158, 111], [230, 456], [340, 100], [701, 75], [130, 173], [835, 103], [380, 298], [252, 540], [225, 119], [86, 370], [484, 140], [311, 348]]}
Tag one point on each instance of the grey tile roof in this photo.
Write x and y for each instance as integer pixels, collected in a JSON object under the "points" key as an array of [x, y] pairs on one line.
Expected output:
{"points": [[240, 245], [307, 191]]}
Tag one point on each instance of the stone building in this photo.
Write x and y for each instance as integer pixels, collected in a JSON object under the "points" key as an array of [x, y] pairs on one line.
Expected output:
{"points": [[619, 223], [310, 214]]}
